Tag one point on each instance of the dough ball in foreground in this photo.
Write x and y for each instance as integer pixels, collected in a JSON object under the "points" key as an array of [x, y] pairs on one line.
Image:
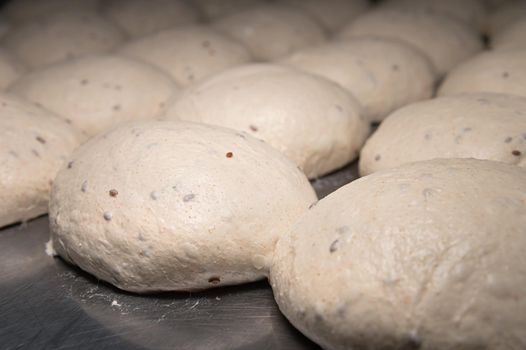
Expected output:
{"points": [[512, 37], [483, 126], [425, 256], [10, 69], [497, 71], [314, 122], [383, 74], [28, 10], [95, 93], [332, 14], [61, 36], [506, 16], [156, 206], [213, 9], [33, 145], [272, 31], [188, 54], [142, 17], [444, 40]]}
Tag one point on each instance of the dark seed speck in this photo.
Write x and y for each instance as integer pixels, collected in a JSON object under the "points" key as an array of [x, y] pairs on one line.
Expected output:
{"points": [[116, 107], [334, 246], [313, 205], [253, 128], [188, 197], [395, 67], [508, 139], [70, 164], [505, 75], [229, 154], [377, 157], [516, 153], [114, 193], [84, 186], [35, 153], [84, 82], [40, 139]]}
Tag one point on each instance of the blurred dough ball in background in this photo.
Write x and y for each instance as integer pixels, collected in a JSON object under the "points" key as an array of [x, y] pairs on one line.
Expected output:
{"points": [[188, 54], [482, 126], [60, 36], [22, 10], [494, 71], [511, 37], [10, 69], [313, 121], [97, 92], [272, 31], [142, 17], [444, 40], [213, 9], [383, 74], [505, 16]]}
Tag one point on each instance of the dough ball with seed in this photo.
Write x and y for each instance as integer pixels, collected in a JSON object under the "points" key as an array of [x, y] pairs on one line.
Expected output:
{"points": [[498, 71], [28, 10], [188, 54], [10, 69], [332, 14], [97, 92], [213, 9], [444, 40], [383, 74], [272, 31], [505, 16], [313, 121], [483, 126], [61, 36], [33, 145], [511, 37], [425, 256], [156, 206], [142, 17]]}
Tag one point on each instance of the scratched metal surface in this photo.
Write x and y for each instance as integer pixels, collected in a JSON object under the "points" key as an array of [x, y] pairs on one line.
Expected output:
{"points": [[47, 304]]}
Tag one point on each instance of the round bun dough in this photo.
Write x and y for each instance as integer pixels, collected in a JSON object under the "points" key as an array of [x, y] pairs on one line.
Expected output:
{"points": [[97, 92], [332, 14], [213, 9], [142, 17], [311, 120], [512, 37], [425, 256], [506, 16], [188, 54], [61, 36], [382, 73], [33, 145], [272, 31], [471, 12], [483, 126], [156, 206], [498, 71], [10, 69], [28, 10], [444, 40]]}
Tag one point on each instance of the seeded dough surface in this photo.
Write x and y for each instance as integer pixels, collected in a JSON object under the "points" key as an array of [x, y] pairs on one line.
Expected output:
{"points": [[97, 92], [33, 145], [426, 256], [188, 54], [153, 206], [383, 74], [313, 121], [482, 126]]}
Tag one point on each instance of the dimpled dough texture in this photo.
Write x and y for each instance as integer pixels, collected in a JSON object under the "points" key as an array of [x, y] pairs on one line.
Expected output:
{"points": [[426, 256], [188, 54], [154, 206], [499, 71], [445, 41], [311, 120], [33, 145], [97, 92], [383, 74]]}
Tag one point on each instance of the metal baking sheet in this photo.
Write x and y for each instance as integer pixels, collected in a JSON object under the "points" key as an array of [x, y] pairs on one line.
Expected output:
{"points": [[48, 304]]}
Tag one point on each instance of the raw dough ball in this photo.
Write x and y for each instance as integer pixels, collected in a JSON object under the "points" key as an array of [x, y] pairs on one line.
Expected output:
{"points": [[97, 92], [311, 120], [33, 145], [512, 37], [154, 206], [482, 126], [333, 14], [61, 36], [471, 12], [383, 74], [10, 69], [506, 16], [189, 53], [426, 256], [272, 31], [213, 9], [28, 10], [499, 71], [143, 17], [444, 40]]}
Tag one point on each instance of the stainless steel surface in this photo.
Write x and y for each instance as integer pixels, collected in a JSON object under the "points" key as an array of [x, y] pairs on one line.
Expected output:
{"points": [[47, 304]]}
